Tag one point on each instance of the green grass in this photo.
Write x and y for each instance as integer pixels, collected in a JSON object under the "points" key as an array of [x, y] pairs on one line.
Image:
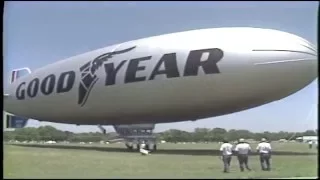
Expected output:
{"points": [[171, 161]]}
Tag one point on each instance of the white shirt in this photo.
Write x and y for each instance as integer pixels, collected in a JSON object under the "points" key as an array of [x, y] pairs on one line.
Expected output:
{"points": [[264, 147], [243, 148], [142, 149], [310, 142], [226, 148], [142, 146]]}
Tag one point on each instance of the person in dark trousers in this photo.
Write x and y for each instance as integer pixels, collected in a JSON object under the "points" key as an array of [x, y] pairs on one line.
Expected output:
{"points": [[243, 149], [264, 150], [226, 152], [310, 144]]}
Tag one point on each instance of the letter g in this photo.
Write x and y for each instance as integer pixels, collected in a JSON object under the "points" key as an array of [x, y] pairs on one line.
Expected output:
{"points": [[20, 93]]}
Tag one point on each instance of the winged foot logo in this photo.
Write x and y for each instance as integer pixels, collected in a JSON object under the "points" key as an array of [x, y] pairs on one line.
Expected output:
{"points": [[88, 76]]}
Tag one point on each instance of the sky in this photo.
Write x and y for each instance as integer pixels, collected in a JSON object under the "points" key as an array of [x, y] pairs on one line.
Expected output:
{"points": [[40, 33]]}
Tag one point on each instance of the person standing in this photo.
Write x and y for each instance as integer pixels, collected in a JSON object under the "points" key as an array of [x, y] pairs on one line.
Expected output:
{"points": [[143, 150], [226, 151], [243, 149], [264, 149], [310, 144]]}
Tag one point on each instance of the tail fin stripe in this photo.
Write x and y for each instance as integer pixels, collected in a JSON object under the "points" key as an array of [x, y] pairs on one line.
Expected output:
{"points": [[18, 73]]}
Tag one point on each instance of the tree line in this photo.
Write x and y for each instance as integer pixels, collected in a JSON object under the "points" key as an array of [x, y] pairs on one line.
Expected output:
{"points": [[47, 133]]}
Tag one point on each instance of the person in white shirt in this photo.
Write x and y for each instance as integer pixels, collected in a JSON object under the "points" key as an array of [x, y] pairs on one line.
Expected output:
{"points": [[264, 149], [226, 151], [310, 144], [243, 149], [143, 150]]}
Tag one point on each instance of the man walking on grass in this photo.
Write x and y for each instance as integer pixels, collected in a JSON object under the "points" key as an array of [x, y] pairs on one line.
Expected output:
{"points": [[264, 149], [226, 152], [243, 149]]}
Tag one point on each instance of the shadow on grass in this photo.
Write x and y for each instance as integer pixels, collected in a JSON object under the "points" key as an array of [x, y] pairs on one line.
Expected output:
{"points": [[194, 152]]}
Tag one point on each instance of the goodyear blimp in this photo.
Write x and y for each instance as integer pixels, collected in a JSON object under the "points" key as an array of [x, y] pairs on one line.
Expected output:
{"points": [[168, 78]]}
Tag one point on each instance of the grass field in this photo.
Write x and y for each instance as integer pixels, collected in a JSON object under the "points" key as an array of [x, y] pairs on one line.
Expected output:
{"points": [[170, 161]]}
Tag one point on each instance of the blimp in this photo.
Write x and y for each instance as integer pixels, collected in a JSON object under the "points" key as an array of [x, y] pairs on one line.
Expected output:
{"points": [[173, 77]]}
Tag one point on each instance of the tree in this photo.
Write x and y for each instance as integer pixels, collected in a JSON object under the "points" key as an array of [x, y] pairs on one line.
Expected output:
{"points": [[218, 134], [46, 133], [309, 133]]}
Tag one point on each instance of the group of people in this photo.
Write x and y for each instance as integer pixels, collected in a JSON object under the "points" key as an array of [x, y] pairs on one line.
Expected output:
{"points": [[242, 151]]}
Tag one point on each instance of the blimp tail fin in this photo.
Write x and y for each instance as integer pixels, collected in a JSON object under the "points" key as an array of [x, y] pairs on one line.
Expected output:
{"points": [[12, 122], [18, 73]]}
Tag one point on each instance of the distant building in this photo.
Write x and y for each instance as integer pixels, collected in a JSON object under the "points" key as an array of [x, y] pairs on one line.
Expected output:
{"points": [[283, 140], [307, 139], [50, 142]]}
